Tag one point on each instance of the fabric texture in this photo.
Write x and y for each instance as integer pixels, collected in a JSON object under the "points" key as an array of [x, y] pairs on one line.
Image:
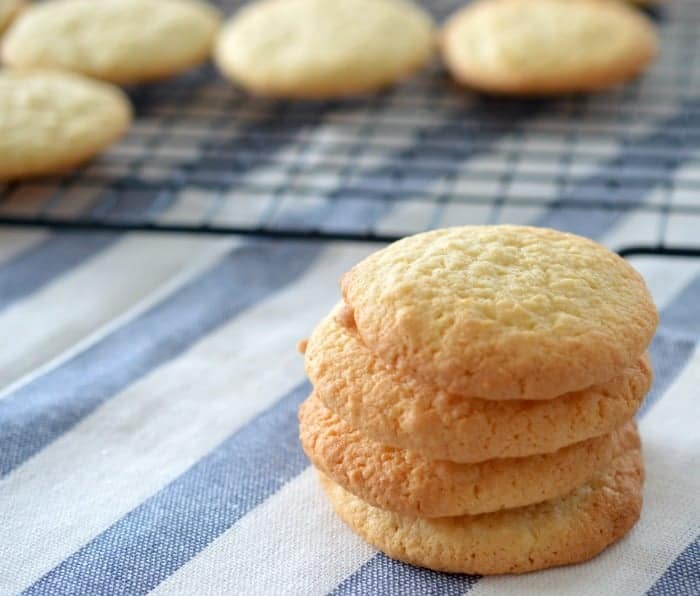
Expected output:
{"points": [[155, 447]]}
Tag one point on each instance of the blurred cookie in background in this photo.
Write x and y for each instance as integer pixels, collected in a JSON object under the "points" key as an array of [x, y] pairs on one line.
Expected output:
{"points": [[122, 41], [546, 47], [51, 122], [9, 9], [321, 49]]}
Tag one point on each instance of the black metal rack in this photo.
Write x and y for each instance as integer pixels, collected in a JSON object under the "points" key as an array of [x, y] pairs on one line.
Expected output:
{"points": [[202, 157]]}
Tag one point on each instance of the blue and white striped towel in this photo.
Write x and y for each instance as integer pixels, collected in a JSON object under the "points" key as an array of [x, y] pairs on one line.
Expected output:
{"points": [[148, 433]]}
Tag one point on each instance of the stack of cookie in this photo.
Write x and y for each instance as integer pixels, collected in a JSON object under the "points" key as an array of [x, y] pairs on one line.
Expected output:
{"points": [[474, 395]]}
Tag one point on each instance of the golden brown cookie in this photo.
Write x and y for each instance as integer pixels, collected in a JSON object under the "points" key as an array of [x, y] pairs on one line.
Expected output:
{"points": [[319, 49], [409, 483], [501, 312], [566, 530], [401, 411], [123, 41], [541, 47], [51, 121]]}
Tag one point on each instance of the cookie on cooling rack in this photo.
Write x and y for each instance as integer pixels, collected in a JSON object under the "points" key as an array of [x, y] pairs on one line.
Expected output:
{"points": [[51, 121], [122, 41], [544, 47], [322, 49], [8, 11]]}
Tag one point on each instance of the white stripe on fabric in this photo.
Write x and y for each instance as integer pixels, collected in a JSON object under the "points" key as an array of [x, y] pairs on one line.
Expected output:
{"points": [[670, 516], [292, 544], [666, 278], [671, 423], [14, 241], [181, 411], [78, 304]]}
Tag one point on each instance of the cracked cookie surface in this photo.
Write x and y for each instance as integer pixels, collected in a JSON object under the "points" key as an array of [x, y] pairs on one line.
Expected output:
{"points": [[501, 312]]}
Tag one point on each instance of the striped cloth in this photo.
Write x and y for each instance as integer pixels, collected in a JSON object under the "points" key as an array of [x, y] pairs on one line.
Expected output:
{"points": [[149, 384], [148, 432]]}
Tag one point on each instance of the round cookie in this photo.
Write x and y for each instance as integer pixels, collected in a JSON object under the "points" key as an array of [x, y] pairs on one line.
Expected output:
{"points": [[51, 121], [541, 47], [403, 412], [570, 529], [123, 41], [411, 484], [501, 312], [321, 49], [8, 11]]}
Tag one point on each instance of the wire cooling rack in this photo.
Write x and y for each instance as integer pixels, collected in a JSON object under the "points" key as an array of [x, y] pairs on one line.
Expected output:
{"points": [[204, 157]]}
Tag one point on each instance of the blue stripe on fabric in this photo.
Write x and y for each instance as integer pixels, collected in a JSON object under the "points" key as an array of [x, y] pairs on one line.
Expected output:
{"points": [[681, 315], [382, 575], [167, 530], [635, 154], [682, 578], [32, 269], [42, 410], [669, 356], [674, 344]]}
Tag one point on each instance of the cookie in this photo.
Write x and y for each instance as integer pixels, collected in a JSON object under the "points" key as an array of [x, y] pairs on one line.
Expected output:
{"points": [[321, 49], [541, 47], [51, 122], [409, 483], [566, 530], [401, 411], [501, 312], [123, 41], [8, 11]]}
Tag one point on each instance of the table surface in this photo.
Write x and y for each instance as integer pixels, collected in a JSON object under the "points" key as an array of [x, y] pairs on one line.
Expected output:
{"points": [[149, 384]]}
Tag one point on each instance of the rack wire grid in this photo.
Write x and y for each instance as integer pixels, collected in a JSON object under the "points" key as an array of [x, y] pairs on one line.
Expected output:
{"points": [[204, 157]]}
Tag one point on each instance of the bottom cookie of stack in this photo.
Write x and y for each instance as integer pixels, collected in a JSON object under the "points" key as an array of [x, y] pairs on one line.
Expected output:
{"points": [[565, 530]]}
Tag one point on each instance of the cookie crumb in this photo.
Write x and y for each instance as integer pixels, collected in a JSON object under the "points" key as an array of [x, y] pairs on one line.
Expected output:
{"points": [[346, 317]]}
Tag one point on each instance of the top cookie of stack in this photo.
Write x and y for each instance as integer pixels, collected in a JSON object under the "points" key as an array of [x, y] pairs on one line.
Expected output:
{"points": [[483, 373], [501, 312]]}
